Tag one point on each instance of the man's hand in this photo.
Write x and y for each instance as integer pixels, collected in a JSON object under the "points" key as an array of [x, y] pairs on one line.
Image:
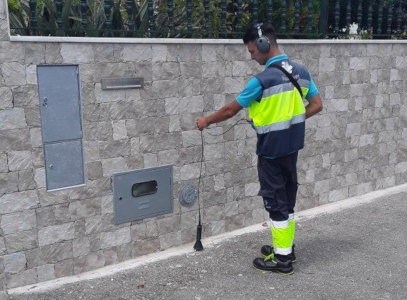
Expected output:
{"points": [[201, 123]]}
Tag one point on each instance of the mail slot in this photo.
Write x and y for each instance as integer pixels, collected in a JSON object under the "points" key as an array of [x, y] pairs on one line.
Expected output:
{"points": [[142, 193]]}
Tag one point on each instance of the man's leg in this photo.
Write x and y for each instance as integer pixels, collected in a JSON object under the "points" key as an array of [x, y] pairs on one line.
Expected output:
{"points": [[273, 191]]}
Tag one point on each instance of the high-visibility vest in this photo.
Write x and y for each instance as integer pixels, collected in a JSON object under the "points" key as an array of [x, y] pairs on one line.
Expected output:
{"points": [[279, 116]]}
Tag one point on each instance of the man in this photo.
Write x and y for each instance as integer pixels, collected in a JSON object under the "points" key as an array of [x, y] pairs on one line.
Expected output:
{"points": [[278, 115]]}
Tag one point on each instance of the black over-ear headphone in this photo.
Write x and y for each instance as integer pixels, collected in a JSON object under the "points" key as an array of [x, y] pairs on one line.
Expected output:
{"points": [[262, 42]]}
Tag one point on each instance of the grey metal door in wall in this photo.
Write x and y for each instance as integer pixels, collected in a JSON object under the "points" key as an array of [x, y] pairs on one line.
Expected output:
{"points": [[58, 90], [64, 164], [61, 125]]}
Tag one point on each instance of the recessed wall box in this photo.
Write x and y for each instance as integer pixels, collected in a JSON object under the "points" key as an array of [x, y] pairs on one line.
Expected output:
{"points": [[141, 194]]}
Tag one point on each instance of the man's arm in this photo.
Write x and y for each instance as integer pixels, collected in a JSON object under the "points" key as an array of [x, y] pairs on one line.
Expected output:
{"points": [[226, 112], [314, 106]]}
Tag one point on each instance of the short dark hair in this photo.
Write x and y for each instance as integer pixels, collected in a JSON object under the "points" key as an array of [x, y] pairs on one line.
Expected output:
{"points": [[267, 30]]}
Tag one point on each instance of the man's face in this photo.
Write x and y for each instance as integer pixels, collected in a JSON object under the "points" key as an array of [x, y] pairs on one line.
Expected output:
{"points": [[261, 58]]}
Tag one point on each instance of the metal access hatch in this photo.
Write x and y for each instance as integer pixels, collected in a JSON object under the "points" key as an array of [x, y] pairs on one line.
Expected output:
{"points": [[141, 194], [61, 125]]}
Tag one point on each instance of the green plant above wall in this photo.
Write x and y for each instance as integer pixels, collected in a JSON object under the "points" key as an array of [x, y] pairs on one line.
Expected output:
{"points": [[208, 18]]}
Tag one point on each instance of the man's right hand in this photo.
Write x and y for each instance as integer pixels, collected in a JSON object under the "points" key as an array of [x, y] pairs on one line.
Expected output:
{"points": [[201, 123]]}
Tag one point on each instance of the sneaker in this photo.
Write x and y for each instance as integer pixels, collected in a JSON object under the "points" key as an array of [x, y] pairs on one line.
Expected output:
{"points": [[267, 250], [273, 264]]}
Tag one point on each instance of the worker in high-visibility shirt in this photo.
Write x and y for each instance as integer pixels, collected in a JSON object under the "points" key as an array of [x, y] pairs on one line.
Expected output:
{"points": [[274, 99]]}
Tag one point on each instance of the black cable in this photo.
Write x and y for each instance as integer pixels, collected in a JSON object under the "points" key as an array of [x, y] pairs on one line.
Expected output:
{"points": [[198, 244], [242, 119]]}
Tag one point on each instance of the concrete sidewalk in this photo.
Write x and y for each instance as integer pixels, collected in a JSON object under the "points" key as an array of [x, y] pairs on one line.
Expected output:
{"points": [[349, 250]]}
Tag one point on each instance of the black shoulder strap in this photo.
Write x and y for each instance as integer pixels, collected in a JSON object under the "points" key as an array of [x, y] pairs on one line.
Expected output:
{"points": [[289, 76]]}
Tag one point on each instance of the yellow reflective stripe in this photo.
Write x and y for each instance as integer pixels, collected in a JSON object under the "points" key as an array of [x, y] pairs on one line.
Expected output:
{"points": [[277, 108], [281, 125], [281, 235]]}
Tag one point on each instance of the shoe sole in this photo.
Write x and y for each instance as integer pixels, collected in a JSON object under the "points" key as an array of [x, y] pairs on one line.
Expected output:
{"points": [[275, 271]]}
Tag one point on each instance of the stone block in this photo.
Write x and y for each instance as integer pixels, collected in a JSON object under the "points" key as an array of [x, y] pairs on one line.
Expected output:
{"points": [[93, 224], [63, 268], [150, 160], [170, 240], [94, 170], [14, 263], [89, 262], [138, 231], [321, 187], [77, 53], [24, 278], [84, 208], [12, 119], [166, 70], [189, 53], [40, 178], [192, 104], [13, 73], [95, 188], [115, 238], [21, 241], [96, 112], [32, 116], [53, 53], [11, 52], [136, 53], [53, 215], [52, 254], [213, 70], [234, 222], [167, 157], [20, 221], [191, 69], [236, 53], [51, 198], [234, 84], [19, 160], [215, 151], [2, 248], [19, 201], [113, 165], [168, 225], [190, 171], [252, 189], [6, 98], [81, 247], [8, 183], [159, 53], [327, 64], [56, 234], [46, 272], [191, 138], [3, 163], [14, 140], [144, 247], [336, 195], [119, 130]]}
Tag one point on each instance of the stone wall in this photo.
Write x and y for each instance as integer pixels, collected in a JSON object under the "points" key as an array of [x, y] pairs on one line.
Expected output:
{"points": [[355, 146]]}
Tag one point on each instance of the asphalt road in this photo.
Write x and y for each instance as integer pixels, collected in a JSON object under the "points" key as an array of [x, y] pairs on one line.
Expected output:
{"points": [[357, 253]]}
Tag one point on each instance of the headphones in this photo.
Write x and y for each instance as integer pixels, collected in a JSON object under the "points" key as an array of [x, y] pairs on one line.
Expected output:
{"points": [[262, 42]]}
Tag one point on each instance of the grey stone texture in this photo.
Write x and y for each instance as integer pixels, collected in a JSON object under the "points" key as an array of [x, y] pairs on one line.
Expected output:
{"points": [[356, 145]]}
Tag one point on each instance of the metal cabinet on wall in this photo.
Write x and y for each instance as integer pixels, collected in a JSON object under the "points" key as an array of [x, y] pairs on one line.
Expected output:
{"points": [[61, 125]]}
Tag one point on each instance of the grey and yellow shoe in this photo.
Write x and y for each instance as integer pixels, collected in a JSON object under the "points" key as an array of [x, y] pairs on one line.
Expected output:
{"points": [[267, 250], [273, 264]]}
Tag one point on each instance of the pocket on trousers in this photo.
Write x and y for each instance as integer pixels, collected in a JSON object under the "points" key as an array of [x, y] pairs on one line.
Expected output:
{"points": [[268, 198]]}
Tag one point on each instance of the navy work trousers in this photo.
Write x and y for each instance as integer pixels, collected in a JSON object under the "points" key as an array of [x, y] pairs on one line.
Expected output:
{"points": [[278, 185]]}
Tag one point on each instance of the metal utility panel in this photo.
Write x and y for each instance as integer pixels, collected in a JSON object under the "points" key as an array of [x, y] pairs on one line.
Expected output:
{"points": [[141, 194], [58, 90], [64, 164], [61, 125]]}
